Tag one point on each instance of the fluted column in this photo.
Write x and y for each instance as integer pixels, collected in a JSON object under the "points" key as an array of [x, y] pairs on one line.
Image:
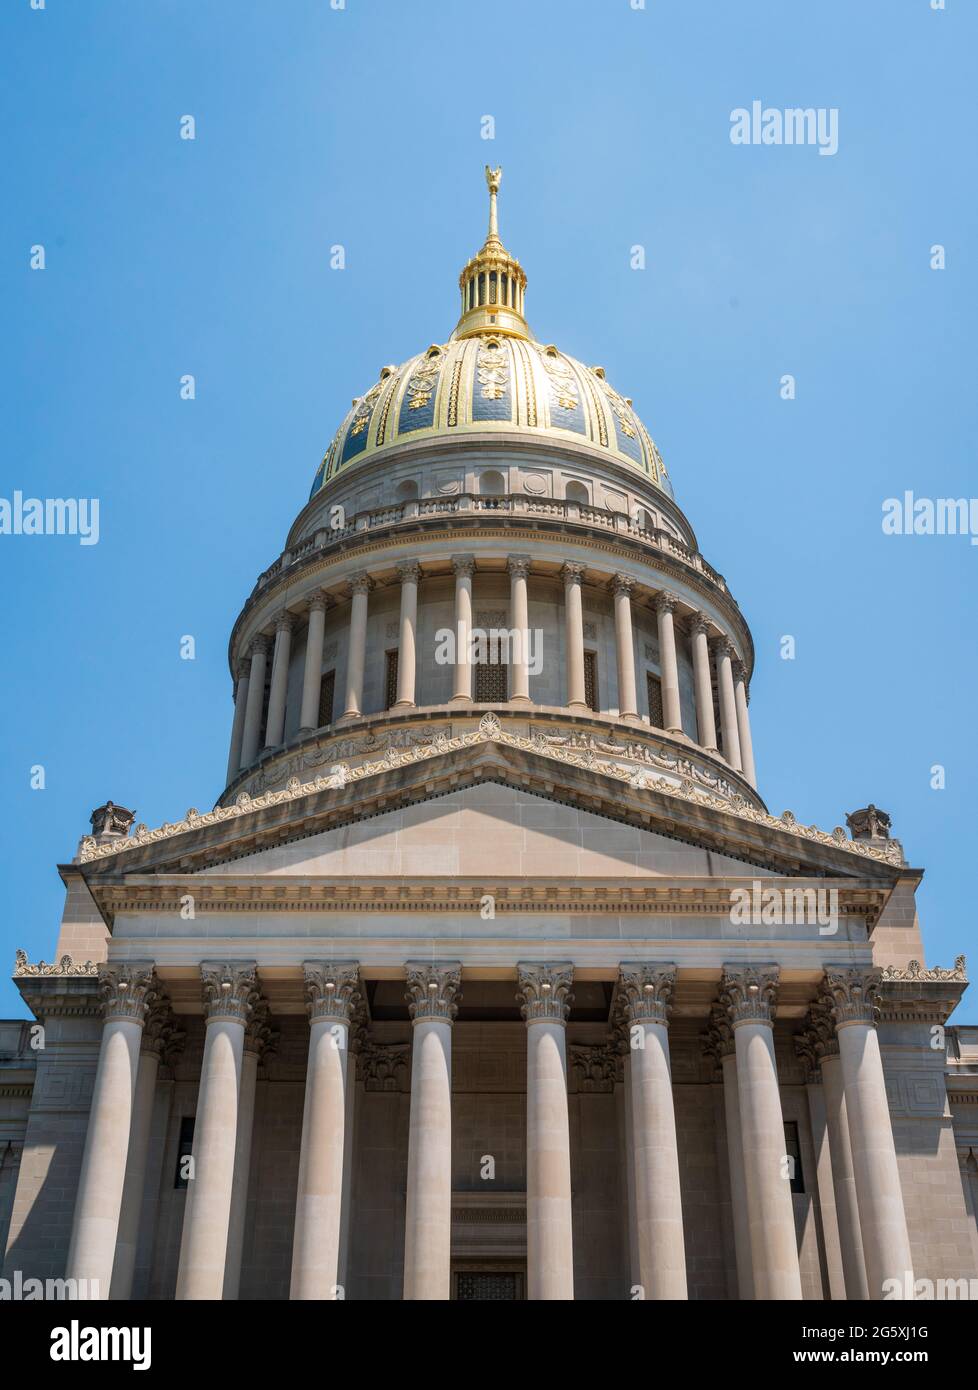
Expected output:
{"points": [[256, 699], [647, 991], [573, 574], [275, 723], [312, 674], [705, 722], [519, 622], [238, 724], [432, 993], [852, 993], [725, 653], [749, 993], [356, 651], [719, 1039], [544, 991], [410, 577], [621, 587], [259, 1040], [161, 1040], [127, 990], [230, 992], [464, 567], [333, 992], [743, 721], [665, 607]]}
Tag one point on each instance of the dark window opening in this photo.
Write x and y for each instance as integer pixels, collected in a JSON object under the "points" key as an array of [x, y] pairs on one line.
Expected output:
{"points": [[390, 679], [655, 700], [327, 691], [591, 680]]}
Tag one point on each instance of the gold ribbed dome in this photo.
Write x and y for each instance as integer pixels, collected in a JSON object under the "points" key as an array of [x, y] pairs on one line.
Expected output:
{"points": [[492, 376]]}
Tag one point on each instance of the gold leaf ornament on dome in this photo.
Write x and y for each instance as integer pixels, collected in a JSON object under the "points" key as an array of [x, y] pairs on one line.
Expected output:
{"points": [[493, 371], [422, 384], [365, 409], [563, 387], [619, 406]]}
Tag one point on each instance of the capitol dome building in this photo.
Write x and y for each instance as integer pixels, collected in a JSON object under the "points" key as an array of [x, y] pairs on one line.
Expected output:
{"points": [[490, 975]]}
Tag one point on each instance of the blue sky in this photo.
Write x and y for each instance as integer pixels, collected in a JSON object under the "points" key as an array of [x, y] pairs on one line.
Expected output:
{"points": [[362, 126]]}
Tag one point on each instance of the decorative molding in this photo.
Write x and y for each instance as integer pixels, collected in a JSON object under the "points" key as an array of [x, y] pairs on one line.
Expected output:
{"points": [[914, 971], [717, 1038], [433, 990], [332, 990], [230, 989], [749, 993], [261, 1036], [646, 992], [128, 989], [597, 1066], [852, 993], [64, 967], [544, 991], [384, 1066]]}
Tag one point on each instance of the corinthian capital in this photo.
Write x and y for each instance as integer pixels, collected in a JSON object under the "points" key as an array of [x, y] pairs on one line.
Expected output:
{"points": [[433, 989], [230, 989], [544, 991], [723, 647], [749, 993], [852, 994], [128, 989], [259, 645], [622, 584], [666, 602], [464, 566], [700, 623], [360, 583], [717, 1038], [409, 572], [518, 566], [332, 990], [261, 1036], [162, 1035], [285, 621], [646, 992], [573, 572]]}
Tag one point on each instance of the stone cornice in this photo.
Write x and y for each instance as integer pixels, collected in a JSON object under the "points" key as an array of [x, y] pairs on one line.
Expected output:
{"points": [[594, 783]]}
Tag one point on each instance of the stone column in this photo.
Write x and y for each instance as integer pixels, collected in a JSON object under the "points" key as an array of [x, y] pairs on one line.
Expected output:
{"points": [[260, 1039], [748, 993], [646, 991], [410, 576], [275, 723], [852, 994], [230, 993], [256, 699], [356, 649], [719, 1039], [464, 567], [161, 1040], [822, 1037], [743, 721], [725, 653], [705, 723], [432, 992], [127, 989], [574, 635], [544, 991], [237, 727], [312, 674], [519, 622], [665, 607], [333, 993], [621, 587]]}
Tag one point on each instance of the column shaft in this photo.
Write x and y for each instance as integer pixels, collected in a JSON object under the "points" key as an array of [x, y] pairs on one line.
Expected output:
{"points": [[728, 705], [407, 654], [255, 701], [705, 722], [312, 675], [132, 1193], [574, 636], [658, 1200], [843, 1179], [275, 723], [671, 710], [356, 651], [237, 1218], [462, 679], [519, 622], [315, 1258], [738, 1179], [238, 724], [625, 648], [743, 723]]}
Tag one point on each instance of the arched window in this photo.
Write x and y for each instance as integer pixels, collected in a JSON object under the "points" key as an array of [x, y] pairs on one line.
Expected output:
{"points": [[491, 484], [406, 491], [576, 492]]}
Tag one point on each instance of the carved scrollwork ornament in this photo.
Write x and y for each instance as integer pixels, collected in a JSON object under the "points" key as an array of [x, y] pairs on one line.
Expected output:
{"points": [[646, 992], [433, 990], [332, 990], [230, 989], [853, 995], [544, 992], [749, 993], [573, 572], [261, 1036], [360, 583], [622, 584], [718, 1037], [409, 572], [128, 989], [666, 602]]}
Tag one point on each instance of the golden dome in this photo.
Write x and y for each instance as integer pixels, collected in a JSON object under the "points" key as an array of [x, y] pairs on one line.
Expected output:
{"points": [[492, 377]]}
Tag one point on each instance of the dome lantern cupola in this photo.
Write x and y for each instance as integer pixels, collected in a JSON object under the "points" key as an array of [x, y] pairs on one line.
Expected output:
{"points": [[493, 283]]}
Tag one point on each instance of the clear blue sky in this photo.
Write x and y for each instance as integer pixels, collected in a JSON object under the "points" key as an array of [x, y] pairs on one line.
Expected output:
{"points": [[362, 127]]}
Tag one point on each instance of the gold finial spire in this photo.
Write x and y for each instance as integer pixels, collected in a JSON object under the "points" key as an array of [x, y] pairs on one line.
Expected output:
{"points": [[494, 178], [493, 282]]}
